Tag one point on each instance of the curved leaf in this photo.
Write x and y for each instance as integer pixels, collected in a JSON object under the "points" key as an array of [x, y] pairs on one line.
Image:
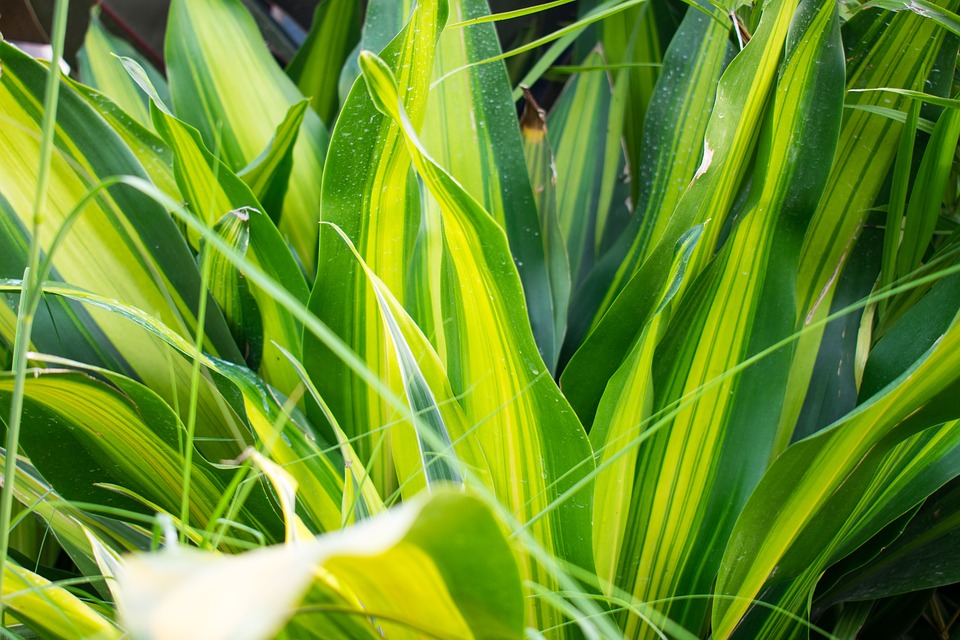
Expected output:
{"points": [[523, 423], [409, 572], [235, 96]]}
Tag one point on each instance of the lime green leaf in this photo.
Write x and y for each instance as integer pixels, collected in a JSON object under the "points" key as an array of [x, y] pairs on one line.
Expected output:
{"points": [[268, 175], [694, 473], [923, 556], [150, 150], [235, 95], [383, 20], [231, 290], [121, 243], [360, 497], [73, 528], [794, 517], [941, 15], [445, 449], [679, 117], [100, 69], [213, 191], [86, 433], [410, 572], [50, 609], [577, 130], [634, 38], [865, 154], [487, 158], [931, 181], [370, 194], [524, 425], [624, 410], [285, 437]]}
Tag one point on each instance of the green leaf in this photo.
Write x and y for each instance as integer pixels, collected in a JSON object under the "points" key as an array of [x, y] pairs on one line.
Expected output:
{"points": [[795, 517], [676, 122], [370, 194], [285, 438], [637, 37], [931, 181], [471, 85], [625, 409], [316, 67], [523, 424], [71, 527], [268, 175], [100, 70], [116, 242], [52, 609], [923, 556], [409, 572], [213, 191], [150, 150], [712, 441], [438, 420], [939, 14], [543, 179], [231, 290], [865, 154], [487, 159], [85, 433], [235, 95], [577, 131]]}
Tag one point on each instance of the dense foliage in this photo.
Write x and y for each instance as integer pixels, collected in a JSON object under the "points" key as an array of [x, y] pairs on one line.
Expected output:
{"points": [[348, 349]]}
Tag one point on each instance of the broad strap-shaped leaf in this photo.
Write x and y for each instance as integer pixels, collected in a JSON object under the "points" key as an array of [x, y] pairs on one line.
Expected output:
{"points": [[370, 194], [932, 176], [924, 555], [471, 130], [100, 69], [268, 175], [695, 472], [784, 525], [676, 122], [441, 449], [122, 244], [638, 38], [231, 290], [439, 567], [286, 438], [535, 445], [383, 20], [213, 191], [891, 50], [84, 432], [316, 67], [876, 502], [624, 413], [73, 528], [52, 610], [152, 152], [236, 95]]}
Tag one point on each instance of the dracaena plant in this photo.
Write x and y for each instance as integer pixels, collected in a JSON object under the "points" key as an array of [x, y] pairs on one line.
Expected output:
{"points": [[348, 349]]}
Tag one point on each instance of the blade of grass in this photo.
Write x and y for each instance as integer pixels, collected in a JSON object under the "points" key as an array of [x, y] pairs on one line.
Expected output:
{"points": [[30, 297]]}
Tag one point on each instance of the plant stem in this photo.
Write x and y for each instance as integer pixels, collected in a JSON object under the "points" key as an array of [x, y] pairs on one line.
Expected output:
{"points": [[30, 294]]}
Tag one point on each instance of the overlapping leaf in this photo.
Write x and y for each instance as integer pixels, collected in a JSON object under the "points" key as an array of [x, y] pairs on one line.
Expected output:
{"points": [[522, 422], [122, 244], [407, 574], [236, 96]]}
